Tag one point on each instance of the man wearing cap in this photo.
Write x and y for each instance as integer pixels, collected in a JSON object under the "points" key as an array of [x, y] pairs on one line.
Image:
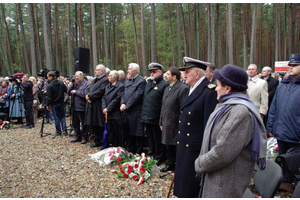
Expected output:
{"points": [[131, 104], [283, 121], [257, 90], [195, 110], [153, 94]]}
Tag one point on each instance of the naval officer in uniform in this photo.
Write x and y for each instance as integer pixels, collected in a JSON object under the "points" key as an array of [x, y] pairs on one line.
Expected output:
{"points": [[199, 103]]}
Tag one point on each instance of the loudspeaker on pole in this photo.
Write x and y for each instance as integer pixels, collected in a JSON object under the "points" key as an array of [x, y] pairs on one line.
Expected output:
{"points": [[82, 59]]}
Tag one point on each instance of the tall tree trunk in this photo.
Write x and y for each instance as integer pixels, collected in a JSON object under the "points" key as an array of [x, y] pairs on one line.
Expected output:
{"points": [[184, 32], [245, 37], [213, 35], [230, 34], [56, 41], [208, 33], [25, 53], [171, 34], [32, 41], [105, 37], [8, 45], [37, 33], [219, 36], [190, 30], [153, 35], [48, 51], [267, 37], [49, 29], [178, 35], [94, 43], [276, 32], [69, 38], [135, 36], [76, 24], [80, 25], [252, 47], [292, 28], [144, 67]]}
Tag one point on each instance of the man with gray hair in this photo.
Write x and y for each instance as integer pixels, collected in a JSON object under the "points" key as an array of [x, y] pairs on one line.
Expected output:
{"points": [[122, 76], [94, 116], [272, 86], [111, 107], [131, 104]]}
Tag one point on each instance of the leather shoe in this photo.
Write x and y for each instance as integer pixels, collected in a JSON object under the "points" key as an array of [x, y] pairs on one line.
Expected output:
{"points": [[30, 126], [27, 125], [95, 145], [168, 168], [83, 141], [75, 140]]}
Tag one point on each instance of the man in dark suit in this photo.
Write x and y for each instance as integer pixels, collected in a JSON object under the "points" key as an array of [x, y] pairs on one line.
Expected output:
{"points": [[272, 86], [170, 110], [131, 103], [94, 116], [122, 77], [210, 73], [195, 111], [111, 107], [154, 91]]}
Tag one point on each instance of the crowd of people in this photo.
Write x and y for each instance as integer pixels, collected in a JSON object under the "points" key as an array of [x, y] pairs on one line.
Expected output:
{"points": [[210, 126]]}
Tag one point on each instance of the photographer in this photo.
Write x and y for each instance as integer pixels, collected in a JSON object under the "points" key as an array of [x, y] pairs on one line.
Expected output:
{"points": [[55, 99], [77, 91], [27, 85]]}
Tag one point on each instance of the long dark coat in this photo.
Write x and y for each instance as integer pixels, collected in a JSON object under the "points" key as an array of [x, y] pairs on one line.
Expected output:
{"points": [[112, 98], [153, 95], [133, 99], [170, 111], [16, 106], [195, 112], [93, 112]]}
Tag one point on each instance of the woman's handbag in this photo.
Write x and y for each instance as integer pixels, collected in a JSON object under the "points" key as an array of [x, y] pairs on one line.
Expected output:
{"points": [[290, 164], [2, 101]]}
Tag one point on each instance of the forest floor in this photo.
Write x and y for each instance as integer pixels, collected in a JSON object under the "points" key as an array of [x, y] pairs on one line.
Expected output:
{"points": [[45, 167]]}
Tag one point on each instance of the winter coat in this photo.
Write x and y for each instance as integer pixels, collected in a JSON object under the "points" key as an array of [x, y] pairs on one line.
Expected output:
{"points": [[153, 95], [284, 114], [93, 111], [5, 97], [228, 165], [79, 101], [27, 88], [195, 112], [112, 98], [133, 99], [170, 111], [16, 108], [55, 92], [258, 94]]}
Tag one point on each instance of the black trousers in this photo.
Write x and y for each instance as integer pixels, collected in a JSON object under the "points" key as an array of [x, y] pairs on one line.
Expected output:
{"points": [[115, 135], [29, 112], [135, 144], [284, 146], [171, 154], [98, 132], [156, 148], [79, 117]]}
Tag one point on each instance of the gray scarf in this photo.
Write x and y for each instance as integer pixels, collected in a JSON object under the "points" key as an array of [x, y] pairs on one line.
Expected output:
{"points": [[259, 142]]}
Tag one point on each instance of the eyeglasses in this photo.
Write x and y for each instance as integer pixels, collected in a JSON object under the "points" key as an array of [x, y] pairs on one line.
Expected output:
{"points": [[153, 71]]}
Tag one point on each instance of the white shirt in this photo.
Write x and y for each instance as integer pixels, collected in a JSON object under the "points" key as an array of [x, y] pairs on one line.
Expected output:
{"points": [[196, 85]]}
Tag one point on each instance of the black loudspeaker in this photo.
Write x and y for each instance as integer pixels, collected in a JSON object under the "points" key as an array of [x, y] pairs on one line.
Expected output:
{"points": [[82, 60]]}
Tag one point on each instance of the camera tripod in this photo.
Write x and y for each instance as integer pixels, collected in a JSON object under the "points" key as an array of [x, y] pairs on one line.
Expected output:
{"points": [[43, 123]]}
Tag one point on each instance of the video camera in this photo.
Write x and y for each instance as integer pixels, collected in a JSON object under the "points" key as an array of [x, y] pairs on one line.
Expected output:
{"points": [[14, 78], [43, 72]]}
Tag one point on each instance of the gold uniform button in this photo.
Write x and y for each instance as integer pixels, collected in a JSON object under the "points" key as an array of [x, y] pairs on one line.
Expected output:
{"points": [[179, 121], [177, 142], [188, 124], [180, 111], [188, 134], [187, 145], [190, 113], [178, 132]]}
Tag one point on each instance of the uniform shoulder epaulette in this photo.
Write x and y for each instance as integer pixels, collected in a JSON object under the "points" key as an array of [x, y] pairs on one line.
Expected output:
{"points": [[211, 86]]}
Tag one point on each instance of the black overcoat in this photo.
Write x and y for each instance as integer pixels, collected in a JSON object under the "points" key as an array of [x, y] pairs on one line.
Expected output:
{"points": [[133, 99], [195, 112], [153, 95], [170, 110], [93, 112], [112, 98]]}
